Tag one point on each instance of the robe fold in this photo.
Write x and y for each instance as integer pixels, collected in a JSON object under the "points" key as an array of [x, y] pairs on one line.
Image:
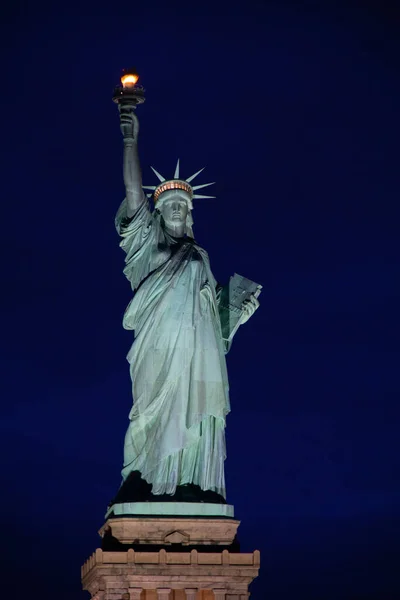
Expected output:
{"points": [[176, 433]]}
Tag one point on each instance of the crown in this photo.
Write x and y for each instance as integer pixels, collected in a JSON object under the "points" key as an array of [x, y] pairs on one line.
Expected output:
{"points": [[176, 184], [173, 184]]}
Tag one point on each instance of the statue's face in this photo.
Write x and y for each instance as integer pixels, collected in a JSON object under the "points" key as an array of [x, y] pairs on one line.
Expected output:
{"points": [[174, 209]]}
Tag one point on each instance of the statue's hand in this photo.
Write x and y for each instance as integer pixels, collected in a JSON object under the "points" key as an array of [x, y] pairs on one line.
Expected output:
{"points": [[249, 307], [129, 122]]}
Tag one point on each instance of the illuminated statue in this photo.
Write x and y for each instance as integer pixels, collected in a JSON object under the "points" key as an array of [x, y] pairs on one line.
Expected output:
{"points": [[176, 434]]}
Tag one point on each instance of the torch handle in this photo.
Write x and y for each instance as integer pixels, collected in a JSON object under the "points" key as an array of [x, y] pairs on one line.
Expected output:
{"points": [[126, 104]]}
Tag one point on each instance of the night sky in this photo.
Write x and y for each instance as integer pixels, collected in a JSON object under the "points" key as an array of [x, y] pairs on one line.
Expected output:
{"points": [[294, 110]]}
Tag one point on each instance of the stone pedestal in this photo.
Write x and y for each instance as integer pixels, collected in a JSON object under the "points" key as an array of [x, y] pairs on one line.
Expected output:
{"points": [[163, 575], [175, 558], [162, 531]]}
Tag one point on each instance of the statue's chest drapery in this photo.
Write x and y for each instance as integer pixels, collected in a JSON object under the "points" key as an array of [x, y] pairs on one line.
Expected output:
{"points": [[171, 277], [171, 295]]}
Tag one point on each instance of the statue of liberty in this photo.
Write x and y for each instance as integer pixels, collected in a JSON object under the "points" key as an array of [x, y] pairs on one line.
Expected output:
{"points": [[175, 443]]}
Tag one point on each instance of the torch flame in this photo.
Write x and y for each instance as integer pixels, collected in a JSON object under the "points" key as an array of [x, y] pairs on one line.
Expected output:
{"points": [[129, 79]]}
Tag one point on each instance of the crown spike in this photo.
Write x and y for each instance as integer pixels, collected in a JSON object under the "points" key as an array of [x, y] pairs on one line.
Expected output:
{"points": [[198, 187], [149, 187], [200, 196], [176, 175], [189, 179], [160, 177], [149, 195]]}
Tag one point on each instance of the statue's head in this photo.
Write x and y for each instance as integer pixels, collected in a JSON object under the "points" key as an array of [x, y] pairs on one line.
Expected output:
{"points": [[173, 199], [174, 206]]}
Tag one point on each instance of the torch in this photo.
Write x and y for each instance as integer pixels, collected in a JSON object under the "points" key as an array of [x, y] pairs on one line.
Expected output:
{"points": [[129, 94]]}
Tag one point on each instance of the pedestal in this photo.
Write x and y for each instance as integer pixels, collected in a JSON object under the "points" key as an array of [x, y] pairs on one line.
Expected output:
{"points": [[164, 575], [169, 558]]}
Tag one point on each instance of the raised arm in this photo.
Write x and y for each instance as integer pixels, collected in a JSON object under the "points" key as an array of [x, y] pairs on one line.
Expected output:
{"points": [[132, 174]]}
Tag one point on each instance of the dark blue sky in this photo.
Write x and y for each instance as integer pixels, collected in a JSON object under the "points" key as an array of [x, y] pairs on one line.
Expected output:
{"points": [[294, 110]]}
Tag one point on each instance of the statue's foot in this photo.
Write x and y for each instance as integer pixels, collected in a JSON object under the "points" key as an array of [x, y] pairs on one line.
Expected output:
{"points": [[136, 489]]}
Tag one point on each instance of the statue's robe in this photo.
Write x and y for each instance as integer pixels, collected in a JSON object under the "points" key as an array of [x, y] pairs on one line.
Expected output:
{"points": [[176, 433]]}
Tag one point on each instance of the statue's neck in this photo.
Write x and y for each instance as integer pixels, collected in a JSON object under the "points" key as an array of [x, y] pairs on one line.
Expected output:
{"points": [[177, 231]]}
